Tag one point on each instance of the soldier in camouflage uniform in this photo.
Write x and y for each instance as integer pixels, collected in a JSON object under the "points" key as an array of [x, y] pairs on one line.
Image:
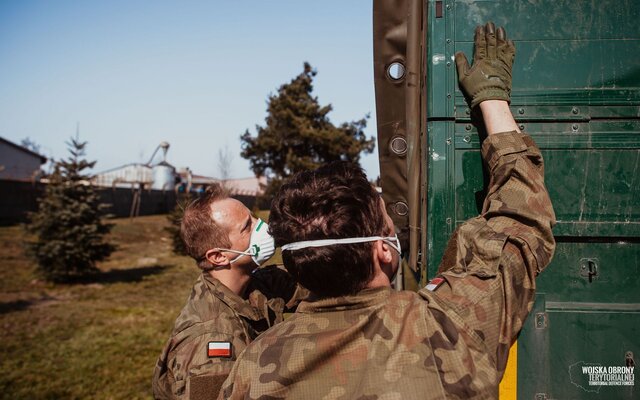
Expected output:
{"points": [[361, 340], [230, 304]]}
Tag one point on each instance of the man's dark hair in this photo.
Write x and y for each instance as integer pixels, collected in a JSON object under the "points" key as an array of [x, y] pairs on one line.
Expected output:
{"points": [[335, 201], [198, 230]]}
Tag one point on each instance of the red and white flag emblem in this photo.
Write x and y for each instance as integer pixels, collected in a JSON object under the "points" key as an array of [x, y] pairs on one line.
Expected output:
{"points": [[434, 283], [219, 349]]}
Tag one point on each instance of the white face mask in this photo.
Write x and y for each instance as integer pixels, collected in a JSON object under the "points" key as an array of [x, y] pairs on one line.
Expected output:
{"points": [[261, 245], [392, 241]]}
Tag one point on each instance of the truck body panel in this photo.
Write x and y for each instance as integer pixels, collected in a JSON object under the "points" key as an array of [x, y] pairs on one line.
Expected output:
{"points": [[576, 91]]}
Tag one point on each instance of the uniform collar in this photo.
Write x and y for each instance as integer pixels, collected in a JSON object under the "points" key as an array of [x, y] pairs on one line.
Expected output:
{"points": [[241, 306], [363, 299]]}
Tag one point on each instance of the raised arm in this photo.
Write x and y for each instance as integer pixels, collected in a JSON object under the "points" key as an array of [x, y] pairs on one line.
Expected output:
{"points": [[491, 261], [497, 117]]}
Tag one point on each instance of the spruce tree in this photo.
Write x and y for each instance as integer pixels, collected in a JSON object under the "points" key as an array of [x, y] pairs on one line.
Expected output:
{"points": [[175, 220], [69, 232], [298, 135]]}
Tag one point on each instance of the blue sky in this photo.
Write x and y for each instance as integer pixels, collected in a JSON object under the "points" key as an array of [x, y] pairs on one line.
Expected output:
{"points": [[196, 74]]}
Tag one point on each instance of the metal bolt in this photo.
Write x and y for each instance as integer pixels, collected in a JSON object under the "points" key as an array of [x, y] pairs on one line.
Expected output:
{"points": [[520, 111], [541, 321], [467, 127], [448, 63], [574, 127], [521, 127], [448, 40], [448, 141], [575, 110], [448, 221], [467, 111], [448, 95], [448, 6], [467, 139]]}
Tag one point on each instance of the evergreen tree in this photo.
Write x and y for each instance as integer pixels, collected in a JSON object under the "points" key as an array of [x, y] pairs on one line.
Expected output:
{"points": [[175, 219], [298, 135], [70, 235]]}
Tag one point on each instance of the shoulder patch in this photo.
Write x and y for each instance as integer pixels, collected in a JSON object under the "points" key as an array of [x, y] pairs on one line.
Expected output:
{"points": [[219, 349], [434, 284]]}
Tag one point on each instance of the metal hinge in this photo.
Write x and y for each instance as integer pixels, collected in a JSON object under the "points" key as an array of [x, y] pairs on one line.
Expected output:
{"points": [[541, 320]]}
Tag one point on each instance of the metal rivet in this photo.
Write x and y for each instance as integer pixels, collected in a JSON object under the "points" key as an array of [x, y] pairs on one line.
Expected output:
{"points": [[448, 221], [467, 127], [448, 95], [467, 139], [448, 140], [448, 6], [575, 110], [448, 63], [401, 208], [448, 40], [467, 111], [574, 127], [398, 145], [520, 111], [521, 127]]}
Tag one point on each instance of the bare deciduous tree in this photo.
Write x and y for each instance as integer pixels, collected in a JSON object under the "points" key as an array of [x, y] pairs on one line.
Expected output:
{"points": [[225, 159]]}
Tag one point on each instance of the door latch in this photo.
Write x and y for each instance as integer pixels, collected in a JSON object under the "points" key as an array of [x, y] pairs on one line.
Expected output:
{"points": [[589, 268]]}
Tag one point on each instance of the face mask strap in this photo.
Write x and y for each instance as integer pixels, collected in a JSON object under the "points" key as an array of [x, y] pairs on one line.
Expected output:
{"points": [[239, 253], [396, 245], [328, 242], [248, 252]]}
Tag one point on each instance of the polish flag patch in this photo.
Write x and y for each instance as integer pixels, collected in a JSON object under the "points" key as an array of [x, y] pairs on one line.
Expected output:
{"points": [[434, 283], [219, 349]]}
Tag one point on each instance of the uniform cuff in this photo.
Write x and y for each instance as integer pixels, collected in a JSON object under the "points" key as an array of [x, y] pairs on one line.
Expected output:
{"points": [[504, 143]]}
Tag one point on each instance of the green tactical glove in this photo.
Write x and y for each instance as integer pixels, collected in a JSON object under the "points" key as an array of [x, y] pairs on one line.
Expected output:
{"points": [[490, 76]]}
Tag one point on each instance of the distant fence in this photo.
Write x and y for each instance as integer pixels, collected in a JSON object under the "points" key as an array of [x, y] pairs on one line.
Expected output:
{"points": [[18, 198]]}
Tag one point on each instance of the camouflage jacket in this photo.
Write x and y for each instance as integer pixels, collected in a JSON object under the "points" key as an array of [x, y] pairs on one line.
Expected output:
{"points": [[215, 317], [451, 339]]}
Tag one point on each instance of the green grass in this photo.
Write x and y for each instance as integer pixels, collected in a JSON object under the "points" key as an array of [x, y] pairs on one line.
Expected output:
{"points": [[90, 341]]}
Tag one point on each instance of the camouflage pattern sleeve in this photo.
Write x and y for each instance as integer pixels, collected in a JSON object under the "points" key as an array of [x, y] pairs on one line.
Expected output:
{"points": [[174, 380], [491, 261], [237, 384], [213, 328]]}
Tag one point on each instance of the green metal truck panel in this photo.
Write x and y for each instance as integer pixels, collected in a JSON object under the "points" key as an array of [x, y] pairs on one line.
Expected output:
{"points": [[576, 91]]}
